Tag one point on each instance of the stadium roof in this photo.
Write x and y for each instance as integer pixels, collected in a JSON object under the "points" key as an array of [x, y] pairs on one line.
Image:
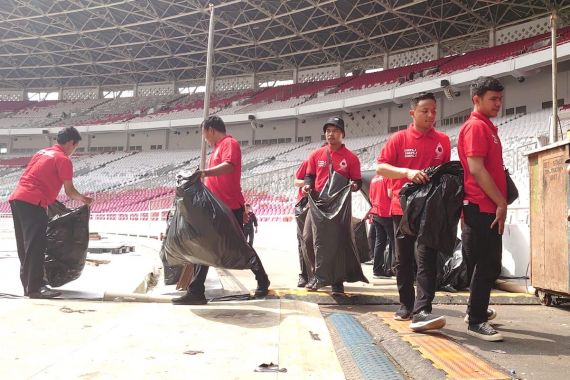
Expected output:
{"points": [[45, 43]]}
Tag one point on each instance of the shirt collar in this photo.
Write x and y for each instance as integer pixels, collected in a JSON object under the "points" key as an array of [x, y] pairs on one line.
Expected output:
{"points": [[485, 119], [219, 142], [342, 147], [417, 134], [59, 148]]}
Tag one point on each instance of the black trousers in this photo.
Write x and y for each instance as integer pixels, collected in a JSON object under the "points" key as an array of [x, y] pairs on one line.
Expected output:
{"points": [[483, 249], [249, 236], [384, 232], [426, 261], [302, 265], [197, 285], [30, 225], [372, 240]]}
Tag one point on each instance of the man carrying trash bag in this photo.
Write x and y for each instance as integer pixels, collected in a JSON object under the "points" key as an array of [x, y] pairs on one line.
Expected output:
{"points": [[222, 179], [328, 240], [38, 187]]}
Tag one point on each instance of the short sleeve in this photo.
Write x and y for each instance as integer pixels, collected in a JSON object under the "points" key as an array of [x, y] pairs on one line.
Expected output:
{"points": [[64, 169], [311, 165], [355, 173], [447, 145], [389, 153], [231, 152], [301, 171], [475, 141]]}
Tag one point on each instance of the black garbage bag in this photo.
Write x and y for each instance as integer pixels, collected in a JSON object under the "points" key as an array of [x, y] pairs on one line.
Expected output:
{"points": [[452, 273], [67, 242], [172, 273], [336, 255], [432, 210], [203, 230], [361, 239]]}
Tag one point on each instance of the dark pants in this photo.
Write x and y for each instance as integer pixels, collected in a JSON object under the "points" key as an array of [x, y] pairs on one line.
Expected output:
{"points": [[249, 236], [371, 241], [482, 249], [426, 261], [30, 225], [384, 228], [201, 271], [302, 265]]}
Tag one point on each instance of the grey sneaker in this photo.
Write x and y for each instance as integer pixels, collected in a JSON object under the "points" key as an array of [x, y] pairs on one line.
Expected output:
{"points": [[484, 331], [424, 321], [403, 314], [491, 314]]}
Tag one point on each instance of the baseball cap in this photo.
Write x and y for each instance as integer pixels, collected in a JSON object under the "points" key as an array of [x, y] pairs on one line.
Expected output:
{"points": [[335, 121]]}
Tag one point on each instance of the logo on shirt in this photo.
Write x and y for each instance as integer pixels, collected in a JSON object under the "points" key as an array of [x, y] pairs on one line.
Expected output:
{"points": [[343, 165], [439, 152], [321, 163], [49, 153], [495, 139], [410, 153]]}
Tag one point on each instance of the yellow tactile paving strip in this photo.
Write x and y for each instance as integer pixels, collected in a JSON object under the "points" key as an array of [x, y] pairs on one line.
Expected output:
{"points": [[380, 293], [445, 354]]}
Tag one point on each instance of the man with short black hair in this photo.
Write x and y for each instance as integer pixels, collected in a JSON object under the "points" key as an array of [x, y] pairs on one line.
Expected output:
{"points": [[250, 221], [222, 178], [344, 162], [403, 159], [485, 203], [38, 187]]}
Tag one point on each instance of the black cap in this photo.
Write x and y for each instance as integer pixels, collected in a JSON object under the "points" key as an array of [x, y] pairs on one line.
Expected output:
{"points": [[336, 122]]}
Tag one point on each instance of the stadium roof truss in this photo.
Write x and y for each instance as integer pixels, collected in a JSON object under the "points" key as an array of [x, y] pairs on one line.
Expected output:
{"points": [[69, 43]]}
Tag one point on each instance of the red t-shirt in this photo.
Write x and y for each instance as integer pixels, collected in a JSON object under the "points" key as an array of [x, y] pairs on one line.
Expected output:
{"points": [[343, 161], [42, 180], [412, 149], [478, 138], [227, 187], [379, 196], [300, 174]]}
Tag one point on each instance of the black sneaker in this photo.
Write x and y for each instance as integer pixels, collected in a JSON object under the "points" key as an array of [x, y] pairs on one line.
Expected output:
{"points": [[338, 288], [190, 299], [484, 331], [302, 282], [423, 321], [262, 288], [44, 293], [312, 281], [491, 314], [403, 314]]}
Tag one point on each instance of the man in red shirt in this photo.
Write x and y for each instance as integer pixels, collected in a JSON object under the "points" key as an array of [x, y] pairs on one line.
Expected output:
{"points": [[485, 204], [383, 225], [343, 162], [38, 187], [404, 157], [300, 182], [222, 178]]}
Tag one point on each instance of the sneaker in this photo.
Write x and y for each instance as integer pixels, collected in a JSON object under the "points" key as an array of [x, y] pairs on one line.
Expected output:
{"points": [[302, 281], [190, 299], [338, 288], [380, 275], [403, 314], [311, 283], [423, 321], [491, 314], [44, 292], [484, 331], [262, 288]]}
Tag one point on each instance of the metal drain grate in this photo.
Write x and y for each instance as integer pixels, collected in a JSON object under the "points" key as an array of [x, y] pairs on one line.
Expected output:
{"points": [[370, 360]]}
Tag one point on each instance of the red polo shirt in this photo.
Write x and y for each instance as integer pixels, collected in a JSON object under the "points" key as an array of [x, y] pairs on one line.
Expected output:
{"points": [[412, 149], [479, 137], [300, 174], [343, 161], [379, 196], [227, 187], [42, 180]]}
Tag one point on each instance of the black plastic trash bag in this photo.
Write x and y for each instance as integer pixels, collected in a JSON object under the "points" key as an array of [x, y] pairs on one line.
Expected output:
{"points": [[452, 272], [361, 239], [172, 273], [432, 210], [67, 242], [205, 231], [336, 255]]}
